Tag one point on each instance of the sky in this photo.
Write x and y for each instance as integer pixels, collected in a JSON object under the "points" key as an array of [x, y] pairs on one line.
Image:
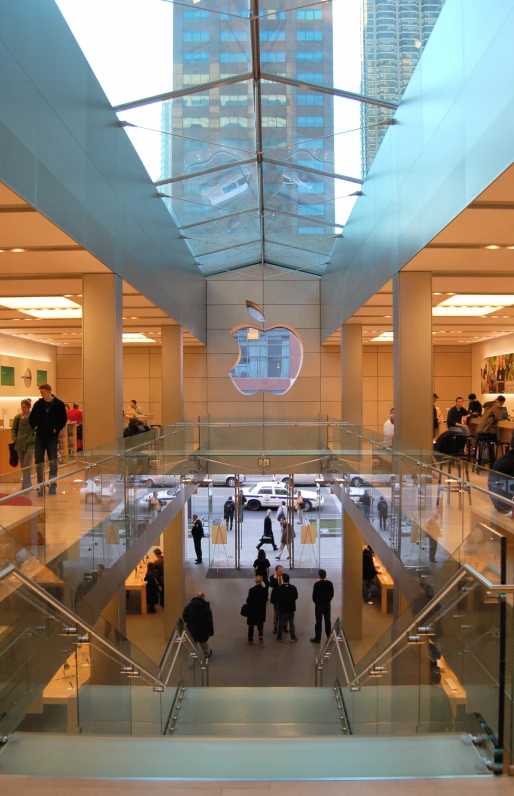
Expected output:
{"points": [[129, 45]]}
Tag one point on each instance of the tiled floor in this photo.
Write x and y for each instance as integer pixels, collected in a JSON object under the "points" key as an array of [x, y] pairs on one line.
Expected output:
{"points": [[33, 786]]}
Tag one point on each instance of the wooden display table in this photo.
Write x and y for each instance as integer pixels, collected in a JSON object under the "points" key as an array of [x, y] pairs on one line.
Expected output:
{"points": [[504, 429], [64, 685], [136, 582], [25, 523], [386, 583]]}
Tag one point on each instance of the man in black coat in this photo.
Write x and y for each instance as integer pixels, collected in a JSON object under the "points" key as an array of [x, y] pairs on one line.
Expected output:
{"points": [[267, 534], [256, 602], [322, 595], [47, 418], [198, 618], [228, 513], [287, 595], [197, 534]]}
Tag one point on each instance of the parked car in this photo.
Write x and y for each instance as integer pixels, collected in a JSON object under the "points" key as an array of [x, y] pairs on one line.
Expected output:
{"points": [[155, 479], [163, 496], [300, 479], [270, 494], [94, 490], [358, 479]]}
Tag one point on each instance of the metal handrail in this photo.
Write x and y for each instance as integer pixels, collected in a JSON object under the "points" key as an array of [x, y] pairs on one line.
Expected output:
{"points": [[180, 637], [44, 595], [337, 635]]}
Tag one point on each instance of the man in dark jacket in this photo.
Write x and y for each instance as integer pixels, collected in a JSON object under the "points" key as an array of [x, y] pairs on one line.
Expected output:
{"points": [[198, 618], [369, 573], [197, 534], [275, 581], [267, 534], [322, 595], [287, 595], [228, 513], [256, 602], [47, 418], [383, 512]]}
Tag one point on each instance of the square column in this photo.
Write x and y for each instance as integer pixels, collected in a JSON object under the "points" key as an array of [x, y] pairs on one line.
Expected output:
{"points": [[172, 355], [102, 358], [351, 613], [351, 373], [173, 542], [413, 359]]}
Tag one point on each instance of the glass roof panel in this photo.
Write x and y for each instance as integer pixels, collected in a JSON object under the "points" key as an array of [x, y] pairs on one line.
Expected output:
{"points": [[286, 174]]}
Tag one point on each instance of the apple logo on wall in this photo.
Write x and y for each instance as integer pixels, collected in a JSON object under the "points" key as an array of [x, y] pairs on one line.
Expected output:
{"points": [[270, 358]]}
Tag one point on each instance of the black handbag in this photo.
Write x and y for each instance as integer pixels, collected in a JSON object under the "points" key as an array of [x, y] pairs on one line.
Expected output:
{"points": [[13, 455], [244, 610]]}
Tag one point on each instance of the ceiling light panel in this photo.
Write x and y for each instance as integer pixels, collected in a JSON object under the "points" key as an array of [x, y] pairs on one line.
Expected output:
{"points": [[55, 314], [478, 300], [38, 303], [476, 312], [136, 338]]}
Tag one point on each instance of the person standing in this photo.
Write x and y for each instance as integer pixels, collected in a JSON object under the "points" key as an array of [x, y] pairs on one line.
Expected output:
{"points": [[47, 418], [198, 618], [365, 502], [24, 440], [369, 573], [438, 415], [256, 602], [322, 595], [383, 512], [275, 582], [155, 504], [281, 512], [197, 534], [158, 564], [299, 506], [433, 533], [286, 538], [74, 415], [267, 534], [152, 587], [389, 430], [474, 406], [261, 566], [228, 513], [287, 595]]}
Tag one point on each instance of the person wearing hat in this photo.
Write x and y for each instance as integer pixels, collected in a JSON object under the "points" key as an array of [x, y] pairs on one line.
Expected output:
{"points": [[438, 416]]}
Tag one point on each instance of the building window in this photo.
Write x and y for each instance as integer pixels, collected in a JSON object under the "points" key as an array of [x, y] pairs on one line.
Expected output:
{"points": [[233, 58], [310, 77], [309, 35], [200, 121], [310, 121], [271, 13], [239, 121], [233, 35], [195, 80], [311, 230], [309, 13], [273, 121], [272, 35], [193, 13], [195, 57], [311, 186], [195, 35], [273, 58], [273, 99], [316, 143], [195, 100], [309, 99], [309, 56], [233, 99], [311, 210]]}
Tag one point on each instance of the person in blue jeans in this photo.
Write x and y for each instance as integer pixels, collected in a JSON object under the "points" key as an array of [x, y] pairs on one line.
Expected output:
{"points": [[47, 418], [365, 501], [287, 595]]}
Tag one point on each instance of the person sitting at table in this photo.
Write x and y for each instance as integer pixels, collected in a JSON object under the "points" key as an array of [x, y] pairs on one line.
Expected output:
{"points": [[486, 429], [474, 406], [456, 419], [133, 409]]}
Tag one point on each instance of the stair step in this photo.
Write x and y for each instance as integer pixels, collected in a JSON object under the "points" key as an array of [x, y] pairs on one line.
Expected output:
{"points": [[176, 758]]}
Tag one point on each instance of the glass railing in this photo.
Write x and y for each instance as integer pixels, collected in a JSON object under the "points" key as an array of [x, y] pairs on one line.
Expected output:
{"points": [[440, 668], [59, 674]]}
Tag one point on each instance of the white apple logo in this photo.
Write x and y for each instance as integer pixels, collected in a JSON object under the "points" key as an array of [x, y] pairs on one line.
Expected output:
{"points": [[270, 358]]}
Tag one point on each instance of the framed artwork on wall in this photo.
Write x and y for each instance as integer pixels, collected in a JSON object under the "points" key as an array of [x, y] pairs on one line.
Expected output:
{"points": [[7, 376], [41, 377]]}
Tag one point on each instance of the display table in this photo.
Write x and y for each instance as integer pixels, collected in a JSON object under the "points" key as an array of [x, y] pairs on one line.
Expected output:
{"points": [[25, 523], [136, 582], [504, 429], [386, 583], [64, 685], [144, 418]]}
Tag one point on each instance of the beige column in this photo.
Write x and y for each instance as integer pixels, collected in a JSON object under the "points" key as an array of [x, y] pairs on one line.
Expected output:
{"points": [[102, 358], [172, 355], [413, 376], [174, 587], [351, 373], [351, 613]]}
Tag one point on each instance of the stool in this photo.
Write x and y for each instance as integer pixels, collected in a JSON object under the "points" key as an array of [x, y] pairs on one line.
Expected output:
{"points": [[501, 449], [483, 446]]}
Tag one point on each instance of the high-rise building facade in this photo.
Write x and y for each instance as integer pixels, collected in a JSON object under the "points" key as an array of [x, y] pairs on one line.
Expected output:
{"points": [[394, 34], [216, 130]]}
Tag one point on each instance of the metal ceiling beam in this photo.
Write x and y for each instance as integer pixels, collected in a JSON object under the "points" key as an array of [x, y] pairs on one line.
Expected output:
{"points": [[256, 72], [183, 92], [225, 248], [220, 218], [335, 92], [304, 218], [213, 170], [298, 248], [296, 167]]}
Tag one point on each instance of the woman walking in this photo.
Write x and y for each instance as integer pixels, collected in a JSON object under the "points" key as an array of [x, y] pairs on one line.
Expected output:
{"points": [[24, 440], [261, 566]]}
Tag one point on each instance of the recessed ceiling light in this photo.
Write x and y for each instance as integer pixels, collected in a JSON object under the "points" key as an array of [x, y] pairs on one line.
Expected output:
{"points": [[437, 294], [16, 251], [384, 337], [492, 246]]}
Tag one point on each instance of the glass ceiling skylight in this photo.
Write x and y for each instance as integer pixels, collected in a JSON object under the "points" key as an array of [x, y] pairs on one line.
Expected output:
{"points": [[250, 116]]}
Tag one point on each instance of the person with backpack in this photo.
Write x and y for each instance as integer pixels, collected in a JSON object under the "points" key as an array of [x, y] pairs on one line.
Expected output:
{"points": [[47, 418], [228, 513], [383, 512]]}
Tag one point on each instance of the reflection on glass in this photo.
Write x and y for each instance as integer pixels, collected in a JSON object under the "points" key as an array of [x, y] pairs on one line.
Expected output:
{"points": [[269, 360]]}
